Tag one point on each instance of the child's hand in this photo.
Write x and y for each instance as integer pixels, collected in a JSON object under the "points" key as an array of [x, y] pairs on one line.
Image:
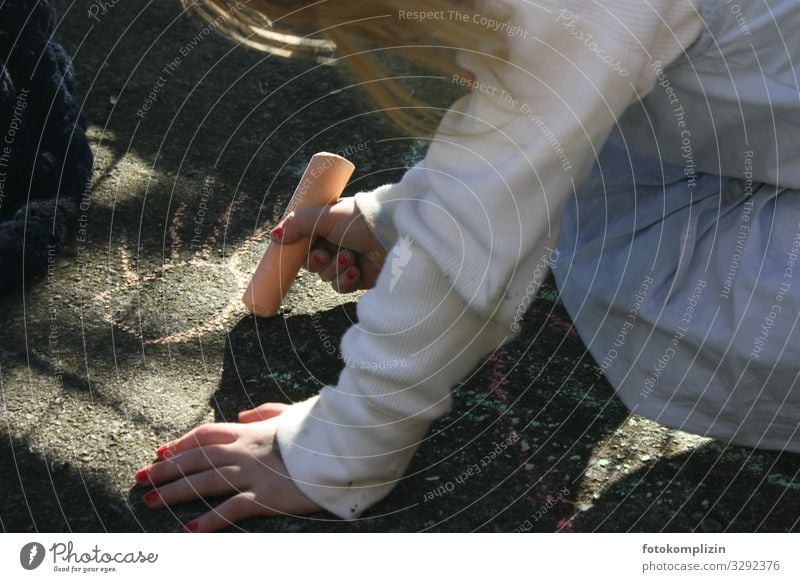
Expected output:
{"points": [[226, 459], [346, 253]]}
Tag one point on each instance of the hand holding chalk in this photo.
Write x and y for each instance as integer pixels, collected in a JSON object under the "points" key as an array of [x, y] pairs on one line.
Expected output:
{"points": [[322, 183]]}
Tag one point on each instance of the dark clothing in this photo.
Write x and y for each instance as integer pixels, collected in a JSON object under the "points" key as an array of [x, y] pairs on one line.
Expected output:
{"points": [[45, 159]]}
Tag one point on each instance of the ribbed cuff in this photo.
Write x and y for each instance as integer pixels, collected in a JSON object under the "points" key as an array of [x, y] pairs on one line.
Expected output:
{"points": [[377, 207]]}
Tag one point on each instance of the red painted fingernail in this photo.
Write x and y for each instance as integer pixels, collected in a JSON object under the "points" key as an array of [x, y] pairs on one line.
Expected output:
{"points": [[343, 260], [164, 452], [142, 477], [351, 274], [317, 258], [151, 496], [191, 526], [277, 232]]}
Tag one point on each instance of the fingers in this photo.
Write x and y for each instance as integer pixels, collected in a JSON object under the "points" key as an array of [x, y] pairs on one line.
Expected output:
{"points": [[227, 513], [334, 265], [342, 272], [347, 281], [203, 435], [247, 504], [318, 257], [211, 483], [263, 412], [337, 265], [186, 463]]}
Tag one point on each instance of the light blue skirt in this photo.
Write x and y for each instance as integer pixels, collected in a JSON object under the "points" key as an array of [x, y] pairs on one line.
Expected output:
{"points": [[686, 290]]}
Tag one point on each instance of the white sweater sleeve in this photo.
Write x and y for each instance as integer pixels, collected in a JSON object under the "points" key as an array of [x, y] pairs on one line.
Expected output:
{"points": [[472, 222]]}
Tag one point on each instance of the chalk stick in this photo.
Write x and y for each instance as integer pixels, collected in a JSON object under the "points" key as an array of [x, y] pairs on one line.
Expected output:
{"points": [[322, 183]]}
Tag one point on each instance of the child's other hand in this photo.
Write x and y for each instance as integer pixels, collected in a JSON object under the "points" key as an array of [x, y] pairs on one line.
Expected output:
{"points": [[346, 253], [226, 459]]}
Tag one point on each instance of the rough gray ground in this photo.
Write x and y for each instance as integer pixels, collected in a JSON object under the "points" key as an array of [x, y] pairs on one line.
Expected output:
{"points": [[136, 335]]}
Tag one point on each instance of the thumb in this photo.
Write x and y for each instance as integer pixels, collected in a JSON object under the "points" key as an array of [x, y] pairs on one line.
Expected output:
{"points": [[305, 222], [263, 412]]}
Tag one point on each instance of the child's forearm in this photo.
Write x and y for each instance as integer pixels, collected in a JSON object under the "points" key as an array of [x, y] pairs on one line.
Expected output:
{"points": [[348, 447]]}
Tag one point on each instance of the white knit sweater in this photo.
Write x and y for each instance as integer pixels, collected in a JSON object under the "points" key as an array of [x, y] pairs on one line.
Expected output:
{"points": [[473, 221]]}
